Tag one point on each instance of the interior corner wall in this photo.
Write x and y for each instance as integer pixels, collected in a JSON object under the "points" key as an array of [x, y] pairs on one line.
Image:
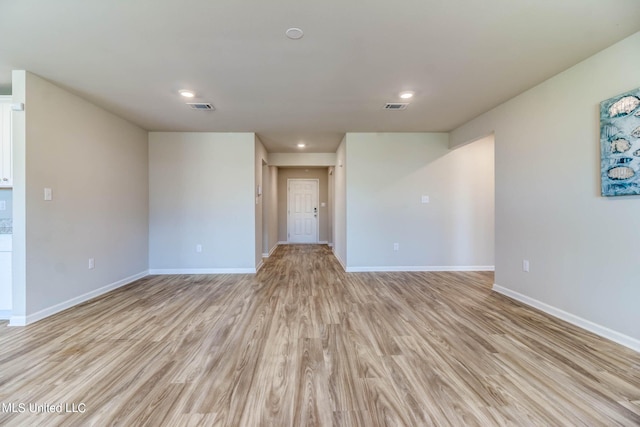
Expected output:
{"points": [[202, 192], [96, 166], [388, 175], [320, 174], [19, 195], [331, 185], [273, 195], [260, 157], [340, 204], [582, 247]]}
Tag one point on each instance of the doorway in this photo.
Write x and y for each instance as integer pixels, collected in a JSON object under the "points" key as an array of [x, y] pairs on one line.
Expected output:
{"points": [[302, 210]]}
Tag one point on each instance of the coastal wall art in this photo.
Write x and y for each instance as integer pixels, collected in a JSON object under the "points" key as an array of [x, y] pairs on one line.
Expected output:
{"points": [[620, 144]]}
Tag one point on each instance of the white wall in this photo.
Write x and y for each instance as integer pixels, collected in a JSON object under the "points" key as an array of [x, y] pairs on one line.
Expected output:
{"points": [[582, 248], [387, 176], [96, 165], [202, 191], [340, 204]]}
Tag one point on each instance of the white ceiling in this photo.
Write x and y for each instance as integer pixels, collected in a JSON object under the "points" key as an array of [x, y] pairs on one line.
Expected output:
{"points": [[461, 57]]}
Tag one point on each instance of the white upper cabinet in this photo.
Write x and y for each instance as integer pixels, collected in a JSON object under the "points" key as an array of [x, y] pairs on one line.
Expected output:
{"points": [[6, 156]]}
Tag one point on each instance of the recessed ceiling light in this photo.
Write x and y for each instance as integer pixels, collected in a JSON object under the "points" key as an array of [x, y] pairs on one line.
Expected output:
{"points": [[301, 145], [294, 33], [187, 93], [406, 95]]}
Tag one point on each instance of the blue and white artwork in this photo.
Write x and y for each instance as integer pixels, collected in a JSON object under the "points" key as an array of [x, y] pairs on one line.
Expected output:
{"points": [[620, 144]]}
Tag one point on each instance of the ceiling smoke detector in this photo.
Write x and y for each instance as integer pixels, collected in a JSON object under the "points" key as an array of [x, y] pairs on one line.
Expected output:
{"points": [[396, 105], [202, 106], [294, 33]]}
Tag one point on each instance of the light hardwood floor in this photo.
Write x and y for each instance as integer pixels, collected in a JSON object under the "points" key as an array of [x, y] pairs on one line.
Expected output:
{"points": [[302, 344]]}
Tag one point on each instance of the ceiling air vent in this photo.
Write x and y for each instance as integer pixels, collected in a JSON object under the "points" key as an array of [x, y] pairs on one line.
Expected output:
{"points": [[396, 105], [203, 106]]}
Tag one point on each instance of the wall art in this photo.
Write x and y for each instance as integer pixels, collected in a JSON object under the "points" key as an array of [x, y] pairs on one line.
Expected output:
{"points": [[620, 144]]}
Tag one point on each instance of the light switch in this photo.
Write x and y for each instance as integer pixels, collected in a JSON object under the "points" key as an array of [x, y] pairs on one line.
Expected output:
{"points": [[48, 194], [425, 199]]}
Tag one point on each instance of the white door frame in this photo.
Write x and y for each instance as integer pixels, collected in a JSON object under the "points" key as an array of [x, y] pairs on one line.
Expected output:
{"points": [[317, 181]]}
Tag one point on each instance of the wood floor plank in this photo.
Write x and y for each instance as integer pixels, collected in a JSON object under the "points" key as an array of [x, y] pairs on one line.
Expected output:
{"points": [[304, 343]]}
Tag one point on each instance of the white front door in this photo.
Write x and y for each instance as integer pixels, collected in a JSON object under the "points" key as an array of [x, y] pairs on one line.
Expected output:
{"points": [[303, 210]]}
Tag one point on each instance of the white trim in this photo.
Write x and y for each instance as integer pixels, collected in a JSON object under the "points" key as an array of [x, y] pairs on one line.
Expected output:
{"points": [[602, 331], [339, 260], [259, 266], [271, 251], [283, 243], [5, 314], [308, 243], [49, 311], [323, 242], [164, 271], [421, 268]]}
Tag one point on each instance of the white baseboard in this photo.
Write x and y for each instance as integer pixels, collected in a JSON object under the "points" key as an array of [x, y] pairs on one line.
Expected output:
{"points": [[602, 331], [273, 249], [165, 271], [421, 268], [259, 266], [323, 242], [34, 317], [5, 314], [339, 261]]}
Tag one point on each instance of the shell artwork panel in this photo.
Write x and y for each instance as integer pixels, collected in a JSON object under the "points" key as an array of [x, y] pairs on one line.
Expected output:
{"points": [[620, 173], [620, 144], [624, 106]]}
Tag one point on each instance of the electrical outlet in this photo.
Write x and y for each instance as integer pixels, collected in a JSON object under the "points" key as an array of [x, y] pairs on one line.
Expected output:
{"points": [[525, 265], [198, 248], [92, 263], [396, 246]]}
